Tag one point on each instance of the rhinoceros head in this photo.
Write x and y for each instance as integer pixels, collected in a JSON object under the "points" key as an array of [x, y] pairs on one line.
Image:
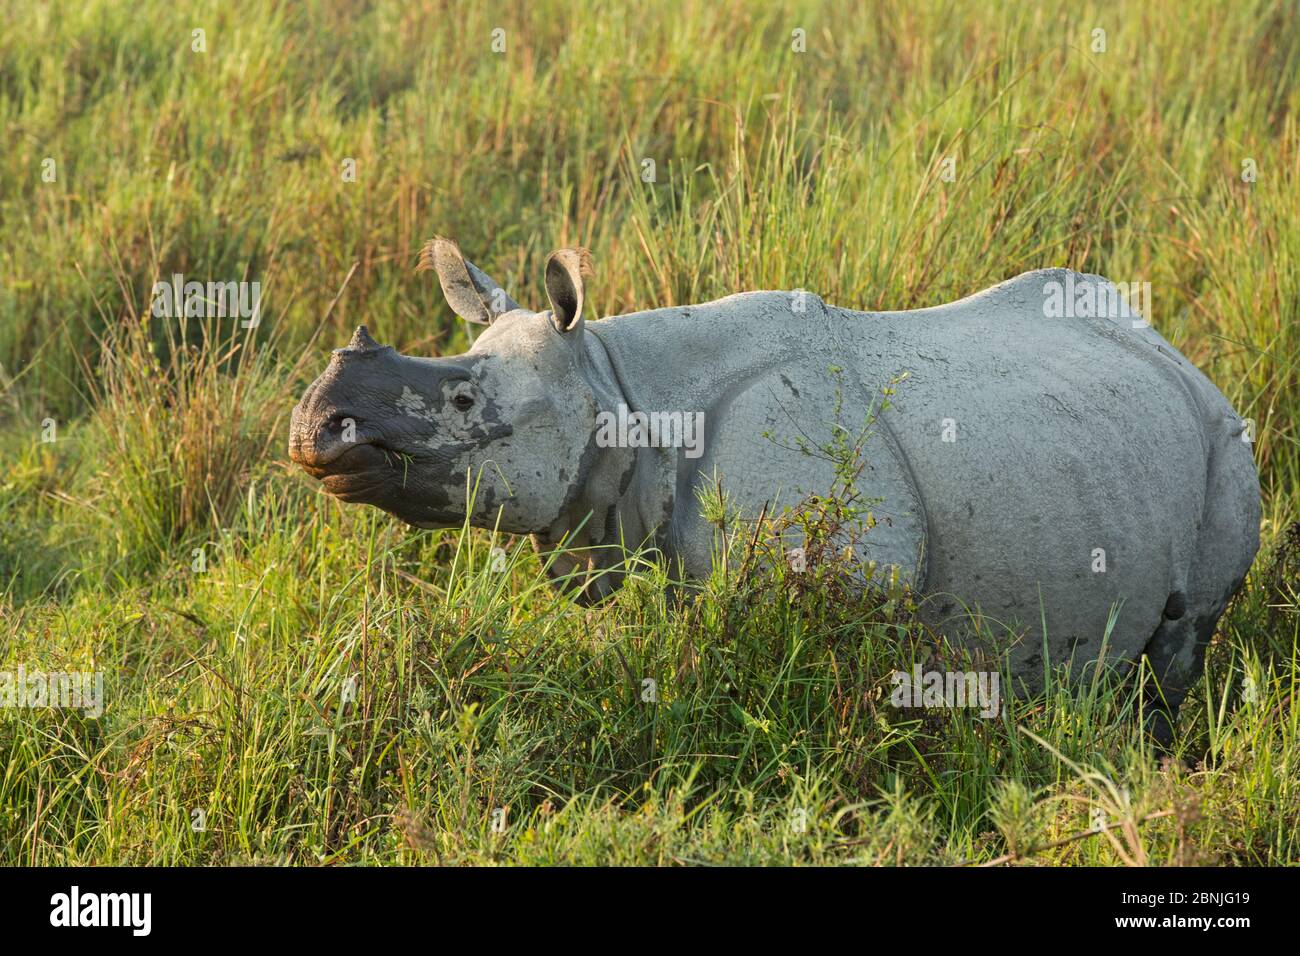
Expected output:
{"points": [[515, 412]]}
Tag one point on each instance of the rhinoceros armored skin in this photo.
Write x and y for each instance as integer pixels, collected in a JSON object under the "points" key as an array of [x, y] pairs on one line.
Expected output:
{"points": [[1033, 470]]}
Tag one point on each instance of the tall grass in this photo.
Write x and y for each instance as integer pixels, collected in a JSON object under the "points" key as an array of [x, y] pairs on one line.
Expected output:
{"points": [[174, 439], [326, 686]]}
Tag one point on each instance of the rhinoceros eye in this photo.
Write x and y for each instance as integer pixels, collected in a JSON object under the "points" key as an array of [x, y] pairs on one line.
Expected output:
{"points": [[463, 401]]}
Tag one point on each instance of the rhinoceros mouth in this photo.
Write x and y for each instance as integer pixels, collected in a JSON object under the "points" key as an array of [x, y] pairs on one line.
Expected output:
{"points": [[358, 474], [356, 488], [372, 474], [358, 457]]}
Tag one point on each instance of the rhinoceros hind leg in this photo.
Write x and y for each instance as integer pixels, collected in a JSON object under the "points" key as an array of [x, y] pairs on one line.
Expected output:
{"points": [[1228, 537], [1176, 654], [1176, 651]]}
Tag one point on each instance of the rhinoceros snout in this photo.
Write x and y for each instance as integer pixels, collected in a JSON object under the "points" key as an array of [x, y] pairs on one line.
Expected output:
{"points": [[315, 444]]}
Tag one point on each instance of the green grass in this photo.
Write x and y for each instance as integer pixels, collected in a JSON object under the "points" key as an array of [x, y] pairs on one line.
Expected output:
{"points": [[333, 687]]}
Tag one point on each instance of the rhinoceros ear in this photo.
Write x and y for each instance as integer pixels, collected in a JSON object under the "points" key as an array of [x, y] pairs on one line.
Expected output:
{"points": [[565, 270], [469, 291]]}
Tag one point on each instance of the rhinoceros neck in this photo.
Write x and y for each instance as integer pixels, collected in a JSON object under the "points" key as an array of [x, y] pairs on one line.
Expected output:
{"points": [[588, 514], [684, 358], [687, 361]]}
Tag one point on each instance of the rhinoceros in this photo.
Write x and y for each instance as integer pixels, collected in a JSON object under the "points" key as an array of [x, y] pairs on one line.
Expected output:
{"points": [[1047, 461]]}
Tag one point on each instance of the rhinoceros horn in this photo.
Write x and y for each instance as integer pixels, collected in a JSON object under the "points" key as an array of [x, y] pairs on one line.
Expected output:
{"points": [[362, 342]]}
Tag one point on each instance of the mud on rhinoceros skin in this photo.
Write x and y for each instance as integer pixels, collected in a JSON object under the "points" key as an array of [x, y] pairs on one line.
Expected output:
{"points": [[1016, 449]]}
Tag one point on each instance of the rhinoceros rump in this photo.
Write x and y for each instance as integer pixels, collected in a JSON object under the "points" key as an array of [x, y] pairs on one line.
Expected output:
{"points": [[1030, 469]]}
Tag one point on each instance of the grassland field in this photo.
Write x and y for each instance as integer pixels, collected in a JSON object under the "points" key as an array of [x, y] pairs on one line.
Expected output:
{"points": [[290, 680]]}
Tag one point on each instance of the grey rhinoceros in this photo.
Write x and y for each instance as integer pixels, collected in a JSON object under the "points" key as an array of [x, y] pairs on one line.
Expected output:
{"points": [[1036, 466]]}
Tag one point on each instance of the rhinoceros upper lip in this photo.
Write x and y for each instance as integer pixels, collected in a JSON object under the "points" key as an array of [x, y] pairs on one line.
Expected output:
{"points": [[351, 460]]}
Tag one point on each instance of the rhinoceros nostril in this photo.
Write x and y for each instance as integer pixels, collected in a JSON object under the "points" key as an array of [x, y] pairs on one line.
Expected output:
{"points": [[341, 420]]}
